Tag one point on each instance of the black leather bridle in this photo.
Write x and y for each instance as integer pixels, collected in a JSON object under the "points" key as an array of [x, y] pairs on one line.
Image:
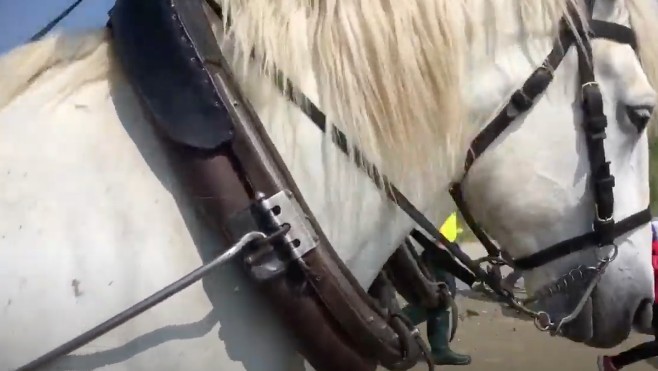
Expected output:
{"points": [[605, 229]]}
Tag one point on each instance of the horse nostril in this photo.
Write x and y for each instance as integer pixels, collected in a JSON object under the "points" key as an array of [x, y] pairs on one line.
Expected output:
{"points": [[639, 116]]}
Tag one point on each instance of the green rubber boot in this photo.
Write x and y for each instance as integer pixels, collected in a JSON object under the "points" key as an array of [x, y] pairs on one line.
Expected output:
{"points": [[416, 314], [438, 333]]}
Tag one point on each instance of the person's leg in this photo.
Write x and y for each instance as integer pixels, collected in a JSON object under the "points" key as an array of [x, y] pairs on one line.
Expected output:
{"points": [[438, 335], [654, 320], [637, 353], [443, 276], [438, 327], [605, 364], [416, 314]]}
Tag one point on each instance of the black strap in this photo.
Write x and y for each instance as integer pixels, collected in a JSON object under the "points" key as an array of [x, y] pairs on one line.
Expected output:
{"points": [[458, 197], [521, 100], [582, 242], [613, 32], [595, 122], [54, 22], [340, 140], [443, 259]]}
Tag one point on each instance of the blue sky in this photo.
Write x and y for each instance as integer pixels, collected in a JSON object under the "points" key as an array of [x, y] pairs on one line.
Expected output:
{"points": [[20, 19]]}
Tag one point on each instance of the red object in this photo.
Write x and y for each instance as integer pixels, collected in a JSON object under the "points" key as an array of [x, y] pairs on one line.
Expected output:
{"points": [[605, 364], [654, 261]]}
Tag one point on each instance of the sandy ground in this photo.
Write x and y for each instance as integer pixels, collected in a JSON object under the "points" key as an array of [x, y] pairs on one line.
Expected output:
{"points": [[498, 339]]}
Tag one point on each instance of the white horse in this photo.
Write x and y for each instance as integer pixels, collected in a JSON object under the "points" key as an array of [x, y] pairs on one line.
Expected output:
{"points": [[92, 219]]}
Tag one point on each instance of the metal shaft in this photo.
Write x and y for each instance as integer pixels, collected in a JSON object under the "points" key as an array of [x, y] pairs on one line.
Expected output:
{"points": [[142, 306]]}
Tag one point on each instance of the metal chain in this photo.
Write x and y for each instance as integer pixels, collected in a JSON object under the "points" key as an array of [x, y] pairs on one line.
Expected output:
{"points": [[561, 284], [542, 319]]}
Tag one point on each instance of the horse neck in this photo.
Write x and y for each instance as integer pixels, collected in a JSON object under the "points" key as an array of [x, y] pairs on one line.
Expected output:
{"points": [[363, 226]]}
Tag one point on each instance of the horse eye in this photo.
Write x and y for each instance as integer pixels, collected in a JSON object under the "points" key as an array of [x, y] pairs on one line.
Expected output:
{"points": [[639, 116]]}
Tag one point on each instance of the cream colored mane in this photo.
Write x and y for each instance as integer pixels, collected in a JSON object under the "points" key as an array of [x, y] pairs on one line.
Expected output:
{"points": [[35, 62], [393, 68]]}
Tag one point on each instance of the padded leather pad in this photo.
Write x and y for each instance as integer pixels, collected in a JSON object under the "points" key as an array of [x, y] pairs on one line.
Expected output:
{"points": [[161, 46]]}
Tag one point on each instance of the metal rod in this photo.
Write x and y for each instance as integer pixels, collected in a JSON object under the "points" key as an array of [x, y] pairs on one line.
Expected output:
{"points": [[47, 28], [142, 306]]}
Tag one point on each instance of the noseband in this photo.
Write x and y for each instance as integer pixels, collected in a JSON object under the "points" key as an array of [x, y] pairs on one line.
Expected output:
{"points": [[604, 227]]}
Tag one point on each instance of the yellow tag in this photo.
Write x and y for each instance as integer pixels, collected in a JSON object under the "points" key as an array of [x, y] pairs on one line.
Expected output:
{"points": [[449, 228]]}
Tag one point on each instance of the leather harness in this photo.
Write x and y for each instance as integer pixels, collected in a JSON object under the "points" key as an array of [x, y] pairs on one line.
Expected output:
{"points": [[341, 327], [232, 171]]}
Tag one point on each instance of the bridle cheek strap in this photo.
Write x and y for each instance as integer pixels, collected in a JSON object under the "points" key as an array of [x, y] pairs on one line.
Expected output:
{"points": [[605, 229]]}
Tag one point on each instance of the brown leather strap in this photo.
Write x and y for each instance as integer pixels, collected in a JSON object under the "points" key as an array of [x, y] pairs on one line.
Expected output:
{"points": [[339, 327], [342, 296], [216, 187]]}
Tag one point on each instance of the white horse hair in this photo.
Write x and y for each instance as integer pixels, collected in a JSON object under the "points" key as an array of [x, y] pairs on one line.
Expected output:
{"points": [[92, 219]]}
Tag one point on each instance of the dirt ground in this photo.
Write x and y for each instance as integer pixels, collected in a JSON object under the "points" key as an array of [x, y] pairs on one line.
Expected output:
{"points": [[500, 340]]}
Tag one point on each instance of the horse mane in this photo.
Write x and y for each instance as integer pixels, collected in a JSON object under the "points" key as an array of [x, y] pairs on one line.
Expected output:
{"points": [[24, 65], [390, 70]]}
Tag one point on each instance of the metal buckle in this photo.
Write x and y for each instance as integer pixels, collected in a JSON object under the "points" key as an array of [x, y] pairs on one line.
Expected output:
{"points": [[512, 110], [546, 68], [612, 256], [598, 217], [585, 85]]}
